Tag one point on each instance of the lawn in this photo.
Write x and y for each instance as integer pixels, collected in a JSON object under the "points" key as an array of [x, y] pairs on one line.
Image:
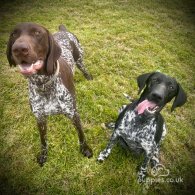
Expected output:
{"points": [[121, 39]]}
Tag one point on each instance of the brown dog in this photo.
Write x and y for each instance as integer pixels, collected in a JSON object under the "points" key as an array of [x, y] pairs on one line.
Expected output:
{"points": [[48, 63]]}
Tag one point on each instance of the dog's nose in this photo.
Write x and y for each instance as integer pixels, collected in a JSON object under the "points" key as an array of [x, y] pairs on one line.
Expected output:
{"points": [[156, 96], [20, 49]]}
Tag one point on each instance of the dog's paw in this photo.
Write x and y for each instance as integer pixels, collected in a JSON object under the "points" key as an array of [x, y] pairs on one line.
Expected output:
{"points": [[141, 177], [41, 159], [101, 158], [86, 150], [88, 76], [110, 125]]}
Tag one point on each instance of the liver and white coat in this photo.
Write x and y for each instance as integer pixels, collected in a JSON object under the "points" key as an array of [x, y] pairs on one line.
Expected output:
{"points": [[47, 61]]}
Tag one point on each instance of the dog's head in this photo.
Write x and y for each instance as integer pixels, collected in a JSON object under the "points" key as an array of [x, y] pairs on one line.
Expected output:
{"points": [[159, 89], [33, 49]]}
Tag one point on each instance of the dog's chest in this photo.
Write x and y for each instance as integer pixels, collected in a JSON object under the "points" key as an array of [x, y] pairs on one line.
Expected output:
{"points": [[136, 131], [53, 99]]}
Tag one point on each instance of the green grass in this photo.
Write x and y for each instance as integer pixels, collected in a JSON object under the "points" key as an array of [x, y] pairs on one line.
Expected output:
{"points": [[121, 39]]}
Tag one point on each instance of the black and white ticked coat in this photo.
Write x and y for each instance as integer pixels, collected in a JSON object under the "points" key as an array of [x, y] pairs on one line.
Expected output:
{"points": [[137, 133], [55, 98]]}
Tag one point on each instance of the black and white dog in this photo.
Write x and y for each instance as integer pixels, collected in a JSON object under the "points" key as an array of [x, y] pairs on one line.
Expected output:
{"points": [[140, 126]]}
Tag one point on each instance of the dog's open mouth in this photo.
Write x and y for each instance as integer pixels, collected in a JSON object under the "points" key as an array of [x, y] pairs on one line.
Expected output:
{"points": [[28, 69], [147, 105]]}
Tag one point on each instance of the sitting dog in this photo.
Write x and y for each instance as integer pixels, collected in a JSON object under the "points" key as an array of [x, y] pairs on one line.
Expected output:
{"points": [[48, 63], [140, 127]]}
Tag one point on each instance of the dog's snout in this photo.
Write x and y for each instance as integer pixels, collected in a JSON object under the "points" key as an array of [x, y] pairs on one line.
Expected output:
{"points": [[20, 48], [156, 96]]}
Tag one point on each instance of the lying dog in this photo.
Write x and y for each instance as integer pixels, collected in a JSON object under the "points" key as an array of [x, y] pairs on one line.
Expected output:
{"points": [[140, 127], [48, 63]]}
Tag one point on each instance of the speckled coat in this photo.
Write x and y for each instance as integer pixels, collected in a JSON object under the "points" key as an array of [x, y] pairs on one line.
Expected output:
{"points": [[144, 131], [48, 62], [137, 133], [56, 98]]}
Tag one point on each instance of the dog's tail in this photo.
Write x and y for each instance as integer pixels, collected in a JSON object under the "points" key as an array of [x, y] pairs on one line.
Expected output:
{"points": [[62, 28]]}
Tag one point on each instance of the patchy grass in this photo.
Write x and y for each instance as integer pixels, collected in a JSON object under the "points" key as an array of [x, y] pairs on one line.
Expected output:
{"points": [[121, 39]]}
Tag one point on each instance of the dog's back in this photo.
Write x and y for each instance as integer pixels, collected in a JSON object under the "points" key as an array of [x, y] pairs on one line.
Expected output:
{"points": [[70, 46]]}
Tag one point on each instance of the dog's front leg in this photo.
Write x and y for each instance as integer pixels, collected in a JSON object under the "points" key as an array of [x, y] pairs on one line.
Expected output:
{"points": [[143, 169], [84, 148], [155, 158], [42, 126], [106, 152]]}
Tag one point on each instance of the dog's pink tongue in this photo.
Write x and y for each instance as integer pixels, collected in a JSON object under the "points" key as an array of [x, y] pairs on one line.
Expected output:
{"points": [[144, 105]]}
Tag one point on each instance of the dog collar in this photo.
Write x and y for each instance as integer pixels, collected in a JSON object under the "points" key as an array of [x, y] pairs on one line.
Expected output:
{"points": [[43, 87]]}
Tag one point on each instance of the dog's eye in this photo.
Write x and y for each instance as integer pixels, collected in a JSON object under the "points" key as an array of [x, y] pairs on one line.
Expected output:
{"points": [[14, 34], [37, 33], [171, 87], [155, 80]]}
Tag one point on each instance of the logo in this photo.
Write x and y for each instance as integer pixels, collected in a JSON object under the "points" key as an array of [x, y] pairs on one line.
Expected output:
{"points": [[160, 175], [160, 171]]}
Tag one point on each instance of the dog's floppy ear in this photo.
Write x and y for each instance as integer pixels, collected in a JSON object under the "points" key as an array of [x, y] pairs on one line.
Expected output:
{"points": [[53, 54], [180, 98], [142, 79], [9, 52]]}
